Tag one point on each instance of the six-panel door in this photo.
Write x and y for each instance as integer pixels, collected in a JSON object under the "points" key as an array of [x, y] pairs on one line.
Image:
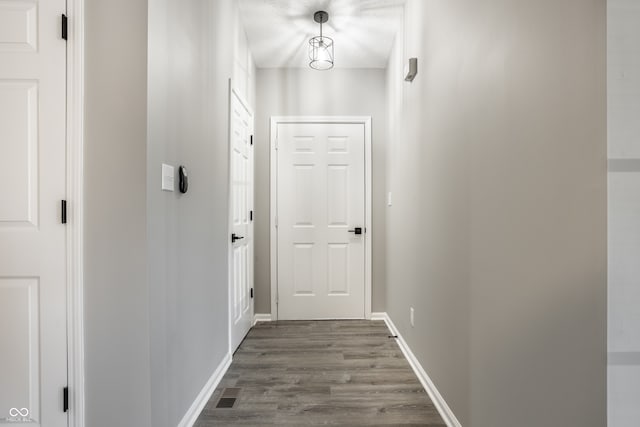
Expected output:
{"points": [[320, 203], [33, 339], [241, 274]]}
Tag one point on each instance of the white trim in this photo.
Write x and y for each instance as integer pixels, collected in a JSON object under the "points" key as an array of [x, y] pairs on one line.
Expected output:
{"points": [[229, 223], [235, 92], [273, 185], [75, 203], [203, 397], [379, 316], [261, 318], [273, 232], [441, 405], [368, 203]]}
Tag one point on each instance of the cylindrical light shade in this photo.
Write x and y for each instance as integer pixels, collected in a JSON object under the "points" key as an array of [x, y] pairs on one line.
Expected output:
{"points": [[321, 53]]}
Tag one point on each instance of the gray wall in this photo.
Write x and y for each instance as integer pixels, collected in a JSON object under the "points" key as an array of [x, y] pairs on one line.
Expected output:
{"points": [[298, 92], [191, 59], [624, 211], [498, 153], [115, 275], [156, 262], [428, 222]]}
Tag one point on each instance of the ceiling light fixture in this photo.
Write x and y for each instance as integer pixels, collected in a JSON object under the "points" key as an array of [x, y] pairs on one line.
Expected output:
{"points": [[321, 47]]}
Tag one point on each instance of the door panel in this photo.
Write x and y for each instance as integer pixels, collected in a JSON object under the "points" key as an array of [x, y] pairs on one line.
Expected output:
{"points": [[337, 195], [241, 276], [320, 197], [18, 26], [19, 326], [303, 269], [338, 265], [33, 339], [19, 160]]}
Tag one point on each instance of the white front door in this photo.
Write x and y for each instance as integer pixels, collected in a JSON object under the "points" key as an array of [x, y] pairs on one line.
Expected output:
{"points": [[241, 274], [33, 338], [320, 209]]}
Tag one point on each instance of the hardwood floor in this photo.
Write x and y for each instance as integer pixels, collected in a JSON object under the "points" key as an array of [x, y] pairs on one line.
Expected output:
{"points": [[343, 372]]}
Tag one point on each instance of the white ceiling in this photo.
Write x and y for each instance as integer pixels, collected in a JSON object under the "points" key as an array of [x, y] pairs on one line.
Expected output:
{"points": [[278, 31]]}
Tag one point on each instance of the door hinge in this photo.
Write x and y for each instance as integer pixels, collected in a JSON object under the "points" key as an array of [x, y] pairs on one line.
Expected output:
{"points": [[276, 144], [276, 221], [65, 399], [250, 215], [251, 139], [64, 27], [63, 211], [251, 292]]}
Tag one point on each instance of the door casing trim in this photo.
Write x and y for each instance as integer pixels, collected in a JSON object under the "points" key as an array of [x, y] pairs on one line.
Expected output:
{"points": [[75, 204], [273, 197]]}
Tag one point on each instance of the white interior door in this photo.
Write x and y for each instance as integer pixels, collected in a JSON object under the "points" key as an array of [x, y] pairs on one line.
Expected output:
{"points": [[242, 245], [33, 340], [320, 206]]}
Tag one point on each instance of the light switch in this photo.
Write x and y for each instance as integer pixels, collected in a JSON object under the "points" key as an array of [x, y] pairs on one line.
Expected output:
{"points": [[389, 198], [167, 178]]}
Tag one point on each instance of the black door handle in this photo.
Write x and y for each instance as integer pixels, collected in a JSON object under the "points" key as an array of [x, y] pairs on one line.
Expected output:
{"points": [[357, 230], [234, 238]]}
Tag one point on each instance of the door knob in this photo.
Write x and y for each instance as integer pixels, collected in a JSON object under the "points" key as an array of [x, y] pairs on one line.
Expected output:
{"points": [[356, 230], [234, 237]]}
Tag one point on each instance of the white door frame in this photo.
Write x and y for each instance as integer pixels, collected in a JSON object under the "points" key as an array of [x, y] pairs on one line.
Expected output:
{"points": [[273, 186], [75, 203], [234, 91]]}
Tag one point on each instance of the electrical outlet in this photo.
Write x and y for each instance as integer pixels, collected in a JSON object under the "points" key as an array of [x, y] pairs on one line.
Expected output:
{"points": [[411, 316]]}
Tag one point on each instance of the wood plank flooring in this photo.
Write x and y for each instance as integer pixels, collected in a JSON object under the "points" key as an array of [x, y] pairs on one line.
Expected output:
{"points": [[297, 373]]}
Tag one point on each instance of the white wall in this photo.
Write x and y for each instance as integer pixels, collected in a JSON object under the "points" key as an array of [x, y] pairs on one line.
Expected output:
{"points": [[192, 56], [116, 304], [624, 212], [307, 92], [497, 233]]}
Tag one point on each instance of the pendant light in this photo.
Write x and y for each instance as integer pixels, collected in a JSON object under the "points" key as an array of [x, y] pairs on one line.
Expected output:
{"points": [[321, 47]]}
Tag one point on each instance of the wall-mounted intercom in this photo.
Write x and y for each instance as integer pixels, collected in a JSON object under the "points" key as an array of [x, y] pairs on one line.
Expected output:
{"points": [[184, 179]]}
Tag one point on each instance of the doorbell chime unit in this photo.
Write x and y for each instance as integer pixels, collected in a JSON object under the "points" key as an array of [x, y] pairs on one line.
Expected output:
{"points": [[411, 69]]}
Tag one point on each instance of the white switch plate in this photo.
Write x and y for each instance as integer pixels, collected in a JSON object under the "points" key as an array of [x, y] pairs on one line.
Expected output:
{"points": [[167, 178], [389, 198]]}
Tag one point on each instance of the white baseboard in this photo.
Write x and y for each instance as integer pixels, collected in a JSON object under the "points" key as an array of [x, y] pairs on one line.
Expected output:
{"points": [[192, 414], [379, 316], [261, 318], [445, 411]]}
